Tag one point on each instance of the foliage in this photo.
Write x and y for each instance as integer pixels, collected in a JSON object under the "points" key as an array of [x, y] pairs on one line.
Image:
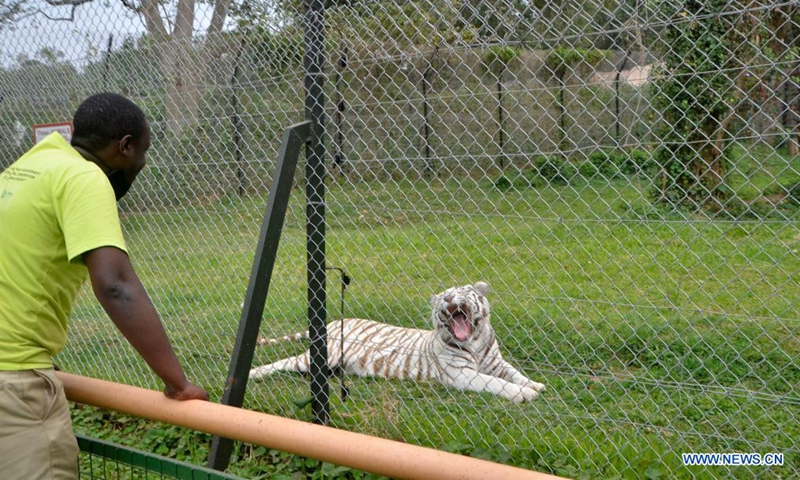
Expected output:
{"points": [[556, 171], [638, 162], [490, 18], [611, 163], [553, 170], [692, 93], [605, 163], [417, 22], [546, 171], [562, 60], [497, 58], [273, 53]]}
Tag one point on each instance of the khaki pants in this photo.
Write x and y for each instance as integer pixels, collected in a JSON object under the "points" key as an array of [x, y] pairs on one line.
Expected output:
{"points": [[36, 438]]}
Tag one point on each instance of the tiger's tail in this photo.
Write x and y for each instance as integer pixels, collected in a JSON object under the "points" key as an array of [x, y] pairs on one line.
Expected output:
{"points": [[297, 364], [286, 338]]}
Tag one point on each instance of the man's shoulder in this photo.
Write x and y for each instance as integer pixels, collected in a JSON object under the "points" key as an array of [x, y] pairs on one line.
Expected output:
{"points": [[54, 163], [62, 160]]}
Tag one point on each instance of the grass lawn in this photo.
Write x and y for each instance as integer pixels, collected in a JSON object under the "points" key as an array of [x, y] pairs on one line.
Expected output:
{"points": [[656, 334]]}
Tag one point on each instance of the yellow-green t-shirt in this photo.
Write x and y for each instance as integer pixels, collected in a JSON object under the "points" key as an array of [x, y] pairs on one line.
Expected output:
{"points": [[54, 206]]}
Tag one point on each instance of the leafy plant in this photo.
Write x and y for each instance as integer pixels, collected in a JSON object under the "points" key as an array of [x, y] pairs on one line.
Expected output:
{"points": [[691, 91], [497, 58], [551, 170]]}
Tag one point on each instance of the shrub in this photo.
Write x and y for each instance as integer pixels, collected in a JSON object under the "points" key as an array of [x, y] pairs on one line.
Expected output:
{"points": [[606, 163], [551, 170], [638, 162], [545, 171], [503, 183], [691, 92], [518, 181]]}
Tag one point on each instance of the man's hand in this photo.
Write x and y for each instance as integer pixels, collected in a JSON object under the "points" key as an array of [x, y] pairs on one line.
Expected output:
{"points": [[190, 391]]}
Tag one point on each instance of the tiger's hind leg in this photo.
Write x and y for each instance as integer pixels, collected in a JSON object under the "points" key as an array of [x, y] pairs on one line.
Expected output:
{"points": [[297, 364]]}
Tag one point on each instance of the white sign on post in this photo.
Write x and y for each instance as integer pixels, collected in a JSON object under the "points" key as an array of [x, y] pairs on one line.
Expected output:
{"points": [[45, 129]]}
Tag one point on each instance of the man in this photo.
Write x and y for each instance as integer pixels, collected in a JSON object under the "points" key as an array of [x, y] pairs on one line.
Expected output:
{"points": [[58, 221]]}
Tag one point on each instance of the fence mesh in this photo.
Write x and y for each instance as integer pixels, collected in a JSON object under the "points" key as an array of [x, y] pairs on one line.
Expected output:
{"points": [[623, 174]]}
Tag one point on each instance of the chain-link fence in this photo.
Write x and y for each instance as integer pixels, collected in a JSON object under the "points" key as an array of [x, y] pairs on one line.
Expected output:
{"points": [[623, 174]]}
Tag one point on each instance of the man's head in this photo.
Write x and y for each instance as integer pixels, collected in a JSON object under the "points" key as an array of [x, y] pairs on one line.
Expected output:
{"points": [[114, 131]]}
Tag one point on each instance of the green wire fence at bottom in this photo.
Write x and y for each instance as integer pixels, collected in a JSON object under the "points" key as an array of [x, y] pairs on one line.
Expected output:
{"points": [[100, 459]]}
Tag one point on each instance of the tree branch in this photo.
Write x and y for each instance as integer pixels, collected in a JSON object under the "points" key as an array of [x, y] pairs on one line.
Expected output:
{"points": [[218, 18], [152, 19], [20, 9], [61, 19], [62, 3], [9, 11], [184, 20]]}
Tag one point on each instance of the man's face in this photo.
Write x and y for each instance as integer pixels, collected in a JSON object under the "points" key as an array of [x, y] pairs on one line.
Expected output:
{"points": [[138, 154], [132, 155]]}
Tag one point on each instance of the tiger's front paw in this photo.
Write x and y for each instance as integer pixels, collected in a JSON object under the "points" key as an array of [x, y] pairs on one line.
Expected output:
{"points": [[524, 394], [539, 387]]}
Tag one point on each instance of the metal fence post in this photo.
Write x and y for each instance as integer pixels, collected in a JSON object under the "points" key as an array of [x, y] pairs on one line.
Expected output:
{"points": [[315, 209], [258, 287]]}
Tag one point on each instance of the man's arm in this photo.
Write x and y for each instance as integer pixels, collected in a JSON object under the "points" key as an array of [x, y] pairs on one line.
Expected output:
{"points": [[119, 291]]}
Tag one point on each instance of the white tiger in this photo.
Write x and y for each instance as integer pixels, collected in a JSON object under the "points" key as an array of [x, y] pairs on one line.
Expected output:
{"points": [[461, 351]]}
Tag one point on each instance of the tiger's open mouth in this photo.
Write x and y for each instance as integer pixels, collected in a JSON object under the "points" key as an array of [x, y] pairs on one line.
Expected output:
{"points": [[460, 325]]}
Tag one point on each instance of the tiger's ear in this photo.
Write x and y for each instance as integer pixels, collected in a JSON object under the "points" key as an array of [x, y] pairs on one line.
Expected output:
{"points": [[433, 300], [481, 287]]}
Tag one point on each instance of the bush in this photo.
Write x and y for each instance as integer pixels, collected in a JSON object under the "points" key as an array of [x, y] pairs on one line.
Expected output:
{"points": [[638, 162], [691, 91], [613, 163], [503, 183], [606, 163], [552, 171], [545, 171], [518, 181]]}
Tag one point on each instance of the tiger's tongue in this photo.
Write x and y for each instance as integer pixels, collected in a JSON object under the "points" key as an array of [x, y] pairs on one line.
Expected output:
{"points": [[461, 326]]}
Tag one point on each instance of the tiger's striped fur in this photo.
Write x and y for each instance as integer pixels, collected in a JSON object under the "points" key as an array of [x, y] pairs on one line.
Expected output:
{"points": [[461, 351]]}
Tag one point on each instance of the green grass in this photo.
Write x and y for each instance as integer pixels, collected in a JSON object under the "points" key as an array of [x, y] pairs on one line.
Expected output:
{"points": [[656, 335]]}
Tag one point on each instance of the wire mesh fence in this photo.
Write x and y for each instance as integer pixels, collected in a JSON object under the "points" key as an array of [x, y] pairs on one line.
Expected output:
{"points": [[622, 174]]}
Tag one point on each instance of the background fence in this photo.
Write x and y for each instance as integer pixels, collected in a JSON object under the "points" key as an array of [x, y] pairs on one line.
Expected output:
{"points": [[623, 174]]}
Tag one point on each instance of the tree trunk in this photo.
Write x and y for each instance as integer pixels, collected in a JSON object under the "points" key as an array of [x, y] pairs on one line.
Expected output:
{"points": [[183, 75], [184, 64]]}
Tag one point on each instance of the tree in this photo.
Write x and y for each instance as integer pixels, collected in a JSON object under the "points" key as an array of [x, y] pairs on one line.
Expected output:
{"points": [[32, 91], [184, 66], [783, 29], [692, 91], [495, 20], [184, 60]]}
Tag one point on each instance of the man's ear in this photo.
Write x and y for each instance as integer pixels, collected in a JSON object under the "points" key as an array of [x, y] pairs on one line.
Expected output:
{"points": [[125, 145]]}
